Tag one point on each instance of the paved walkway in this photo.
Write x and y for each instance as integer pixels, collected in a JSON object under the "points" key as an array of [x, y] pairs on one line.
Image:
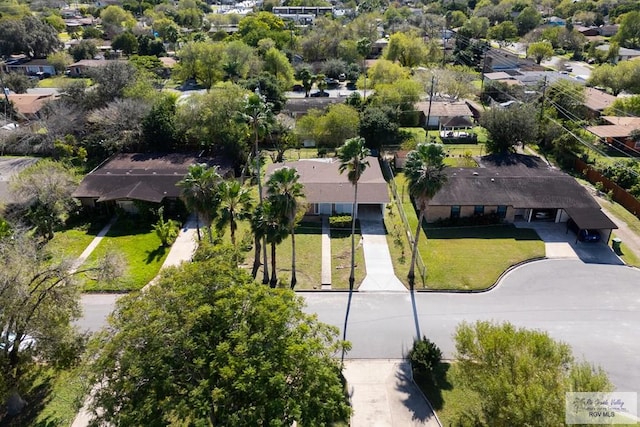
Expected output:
{"points": [[629, 237], [326, 254], [380, 275], [92, 246], [383, 394]]}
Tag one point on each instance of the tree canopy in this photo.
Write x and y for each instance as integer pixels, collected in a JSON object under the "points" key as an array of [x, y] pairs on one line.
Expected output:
{"points": [[509, 126], [207, 346], [519, 375]]}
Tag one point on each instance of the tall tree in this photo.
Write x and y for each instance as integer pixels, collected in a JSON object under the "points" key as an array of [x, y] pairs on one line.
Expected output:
{"points": [[276, 230], [40, 298], [257, 112], [353, 159], [199, 194], [285, 193], [409, 50], [539, 51], [425, 174], [510, 126], [208, 346], [46, 187], [629, 33], [235, 204]]}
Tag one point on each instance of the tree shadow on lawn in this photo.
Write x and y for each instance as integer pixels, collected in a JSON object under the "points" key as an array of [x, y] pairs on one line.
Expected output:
{"points": [[432, 386], [36, 399], [156, 254], [501, 231], [125, 226]]}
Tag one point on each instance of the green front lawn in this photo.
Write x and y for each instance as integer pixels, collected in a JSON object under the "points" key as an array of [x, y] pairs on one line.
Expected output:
{"points": [[341, 259], [140, 249], [60, 81], [457, 257], [70, 243]]}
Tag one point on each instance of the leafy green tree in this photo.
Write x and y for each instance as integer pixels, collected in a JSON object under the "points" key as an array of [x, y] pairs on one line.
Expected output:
{"points": [[353, 159], [47, 188], [285, 194], [199, 192], [270, 87], [508, 127], [378, 127], [340, 122], [166, 230], [540, 51], [384, 71], [91, 33], [29, 36], [424, 356], [409, 50], [528, 19], [236, 204], [207, 346], [126, 42], [259, 230], [627, 106], [263, 25], [111, 80], [17, 82], [628, 34], [568, 99], [56, 22], [203, 61], [85, 49], [401, 96], [116, 20], [277, 63], [159, 126], [40, 298], [425, 175], [503, 32], [620, 77], [241, 60], [307, 80], [476, 27], [60, 61], [511, 367]]}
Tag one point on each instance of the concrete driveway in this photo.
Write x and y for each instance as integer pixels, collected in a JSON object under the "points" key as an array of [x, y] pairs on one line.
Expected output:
{"points": [[560, 243]]}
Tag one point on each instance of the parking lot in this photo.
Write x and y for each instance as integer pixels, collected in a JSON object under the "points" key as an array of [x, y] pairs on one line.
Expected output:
{"points": [[562, 243]]}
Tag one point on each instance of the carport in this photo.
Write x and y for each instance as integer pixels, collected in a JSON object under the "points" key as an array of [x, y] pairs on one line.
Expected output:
{"points": [[592, 219]]}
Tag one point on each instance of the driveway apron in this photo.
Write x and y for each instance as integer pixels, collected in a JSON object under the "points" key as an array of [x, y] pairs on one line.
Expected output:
{"points": [[380, 275]]}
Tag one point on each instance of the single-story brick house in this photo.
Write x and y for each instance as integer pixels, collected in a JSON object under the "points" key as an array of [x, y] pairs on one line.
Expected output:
{"points": [[29, 105], [328, 192], [517, 187], [597, 101], [126, 178], [29, 67]]}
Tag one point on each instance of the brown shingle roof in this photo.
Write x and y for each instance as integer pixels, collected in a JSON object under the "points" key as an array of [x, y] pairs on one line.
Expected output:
{"points": [[597, 100], [445, 109], [620, 127], [519, 181], [148, 177], [323, 182], [28, 104]]}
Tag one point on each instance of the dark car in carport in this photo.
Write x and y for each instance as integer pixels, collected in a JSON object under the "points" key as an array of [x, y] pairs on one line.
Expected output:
{"points": [[584, 235]]}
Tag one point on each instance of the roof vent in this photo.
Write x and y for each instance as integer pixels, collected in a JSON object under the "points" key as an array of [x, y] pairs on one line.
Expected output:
{"points": [[476, 174], [493, 180]]}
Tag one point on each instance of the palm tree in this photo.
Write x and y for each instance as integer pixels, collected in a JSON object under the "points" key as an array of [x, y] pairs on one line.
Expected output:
{"points": [[259, 229], [275, 232], [353, 155], [284, 192], [199, 193], [235, 204], [257, 112], [424, 170]]}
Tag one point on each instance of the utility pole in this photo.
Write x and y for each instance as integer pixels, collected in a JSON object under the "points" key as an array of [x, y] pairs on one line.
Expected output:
{"points": [[444, 45], [484, 64], [544, 90], [426, 125]]}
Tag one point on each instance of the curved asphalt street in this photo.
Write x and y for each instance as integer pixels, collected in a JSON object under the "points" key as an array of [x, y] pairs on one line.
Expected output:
{"points": [[593, 307]]}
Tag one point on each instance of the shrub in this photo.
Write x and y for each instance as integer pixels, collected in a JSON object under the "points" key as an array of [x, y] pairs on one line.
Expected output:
{"points": [[425, 356], [340, 221]]}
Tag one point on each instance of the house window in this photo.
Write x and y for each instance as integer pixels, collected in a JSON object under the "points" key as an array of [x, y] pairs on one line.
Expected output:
{"points": [[637, 144], [501, 211], [478, 210], [455, 212]]}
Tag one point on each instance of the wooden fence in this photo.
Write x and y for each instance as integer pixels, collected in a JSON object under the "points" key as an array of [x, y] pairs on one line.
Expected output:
{"points": [[620, 195]]}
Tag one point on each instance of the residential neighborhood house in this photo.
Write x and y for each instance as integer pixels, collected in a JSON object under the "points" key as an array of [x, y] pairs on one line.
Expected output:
{"points": [[124, 179], [328, 192], [618, 131], [517, 188]]}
